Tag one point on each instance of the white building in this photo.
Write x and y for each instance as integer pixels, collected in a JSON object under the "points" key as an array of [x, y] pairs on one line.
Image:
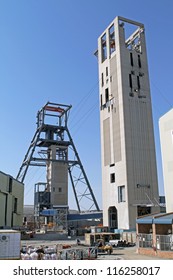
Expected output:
{"points": [[166, 141], [129, 175]]}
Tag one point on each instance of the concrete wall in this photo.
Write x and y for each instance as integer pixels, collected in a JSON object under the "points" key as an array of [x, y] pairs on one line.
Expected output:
{"points": [[11, 201], [57, 177], [166, 140]]}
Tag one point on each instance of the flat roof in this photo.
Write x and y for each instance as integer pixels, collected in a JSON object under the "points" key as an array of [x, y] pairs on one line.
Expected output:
{"points": [[2, 231], [157, 218]]}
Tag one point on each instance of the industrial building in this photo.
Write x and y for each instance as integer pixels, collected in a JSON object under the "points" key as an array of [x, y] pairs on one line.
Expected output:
{"points": [[166, 141], [129, 175], [11, 202]]}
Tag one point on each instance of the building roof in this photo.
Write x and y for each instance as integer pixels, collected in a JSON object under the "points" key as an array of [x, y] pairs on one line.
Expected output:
{"points": [[158, 218], [166, 219]]}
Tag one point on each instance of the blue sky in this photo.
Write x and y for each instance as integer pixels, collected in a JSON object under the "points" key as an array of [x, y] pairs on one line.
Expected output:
{"points": [[46, 54]]}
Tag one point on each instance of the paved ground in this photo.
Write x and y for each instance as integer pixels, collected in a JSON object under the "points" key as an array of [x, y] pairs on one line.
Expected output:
{"points": [[128, 253]]}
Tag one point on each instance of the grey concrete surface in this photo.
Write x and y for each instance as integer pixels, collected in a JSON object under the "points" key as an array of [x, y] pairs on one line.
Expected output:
{"points": [[129, 253]]}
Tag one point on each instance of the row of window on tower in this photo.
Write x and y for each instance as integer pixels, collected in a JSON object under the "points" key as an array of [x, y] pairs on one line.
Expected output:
{"points": [[138, 60], [121, 189], [131, 83], [107, 102], [137, 84]]}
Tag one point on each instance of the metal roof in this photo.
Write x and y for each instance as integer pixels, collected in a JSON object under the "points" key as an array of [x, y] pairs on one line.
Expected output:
{"points": [[167, 219], [158, 218], [85, 216]]}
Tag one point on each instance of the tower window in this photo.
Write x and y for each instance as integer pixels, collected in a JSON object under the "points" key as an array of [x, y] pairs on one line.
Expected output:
{"points": [[102, 80], [106, 95], [106, 71], [112, 177], [104, 48], [138, 82], [130, 81], [139, 61], [101, 101], [131, 59], [112, 39], [121, 194]]}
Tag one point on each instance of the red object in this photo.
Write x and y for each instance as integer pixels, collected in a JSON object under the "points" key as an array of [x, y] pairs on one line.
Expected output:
{"points": [[54, 109]]}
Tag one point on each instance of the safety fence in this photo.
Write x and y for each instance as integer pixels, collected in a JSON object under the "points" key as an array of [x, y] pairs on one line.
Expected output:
{"points": [[164, 242], [145, 240]]}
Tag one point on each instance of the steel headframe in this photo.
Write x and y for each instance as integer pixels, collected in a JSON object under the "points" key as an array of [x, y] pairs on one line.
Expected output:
{"points": [[83, 193]]}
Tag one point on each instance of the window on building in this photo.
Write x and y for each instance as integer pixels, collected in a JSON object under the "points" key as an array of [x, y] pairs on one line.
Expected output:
{"points": [[102, 79], [60, 189], [101, 101], [104, 47], [112, 177], [106, 71], [131, 59], [106, 95], [112, 39], [130, 81], [139, 61], [138, 82], [10, 184], [121, 194]]}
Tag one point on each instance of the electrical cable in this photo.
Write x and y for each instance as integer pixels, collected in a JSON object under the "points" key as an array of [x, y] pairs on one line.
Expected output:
{"points": [[82, 102], [162, 95]]}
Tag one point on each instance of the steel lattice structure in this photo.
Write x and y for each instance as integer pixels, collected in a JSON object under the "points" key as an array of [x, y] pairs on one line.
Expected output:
{"points": [[52, 133]]}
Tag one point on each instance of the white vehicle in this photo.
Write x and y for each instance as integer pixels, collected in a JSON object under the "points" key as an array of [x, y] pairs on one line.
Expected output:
{"points": [[114, 242]]}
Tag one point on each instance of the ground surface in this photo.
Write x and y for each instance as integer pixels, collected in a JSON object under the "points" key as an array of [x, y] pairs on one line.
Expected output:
{"points": [[128, 253]]}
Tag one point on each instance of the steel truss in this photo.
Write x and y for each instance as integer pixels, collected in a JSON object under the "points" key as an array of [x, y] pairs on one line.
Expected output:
{"points": [[51, 130]]}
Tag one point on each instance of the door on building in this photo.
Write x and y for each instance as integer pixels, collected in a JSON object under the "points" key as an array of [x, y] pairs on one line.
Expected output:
{"points": [[112, 214]]}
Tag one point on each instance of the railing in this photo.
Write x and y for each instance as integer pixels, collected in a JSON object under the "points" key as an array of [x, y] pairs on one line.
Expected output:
{"points": [[78, 254], [164, 242], [145, 240]]}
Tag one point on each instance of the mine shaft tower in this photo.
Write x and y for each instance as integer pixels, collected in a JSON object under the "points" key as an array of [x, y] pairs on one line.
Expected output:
{"points": [[52, 147], [129, 172]]}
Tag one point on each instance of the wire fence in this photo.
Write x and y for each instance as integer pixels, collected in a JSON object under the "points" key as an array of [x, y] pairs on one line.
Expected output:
{"points": [[163, 242]]}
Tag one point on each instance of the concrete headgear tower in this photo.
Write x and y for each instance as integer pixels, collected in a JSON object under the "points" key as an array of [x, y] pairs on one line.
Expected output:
{"points": [[129, 175]]}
